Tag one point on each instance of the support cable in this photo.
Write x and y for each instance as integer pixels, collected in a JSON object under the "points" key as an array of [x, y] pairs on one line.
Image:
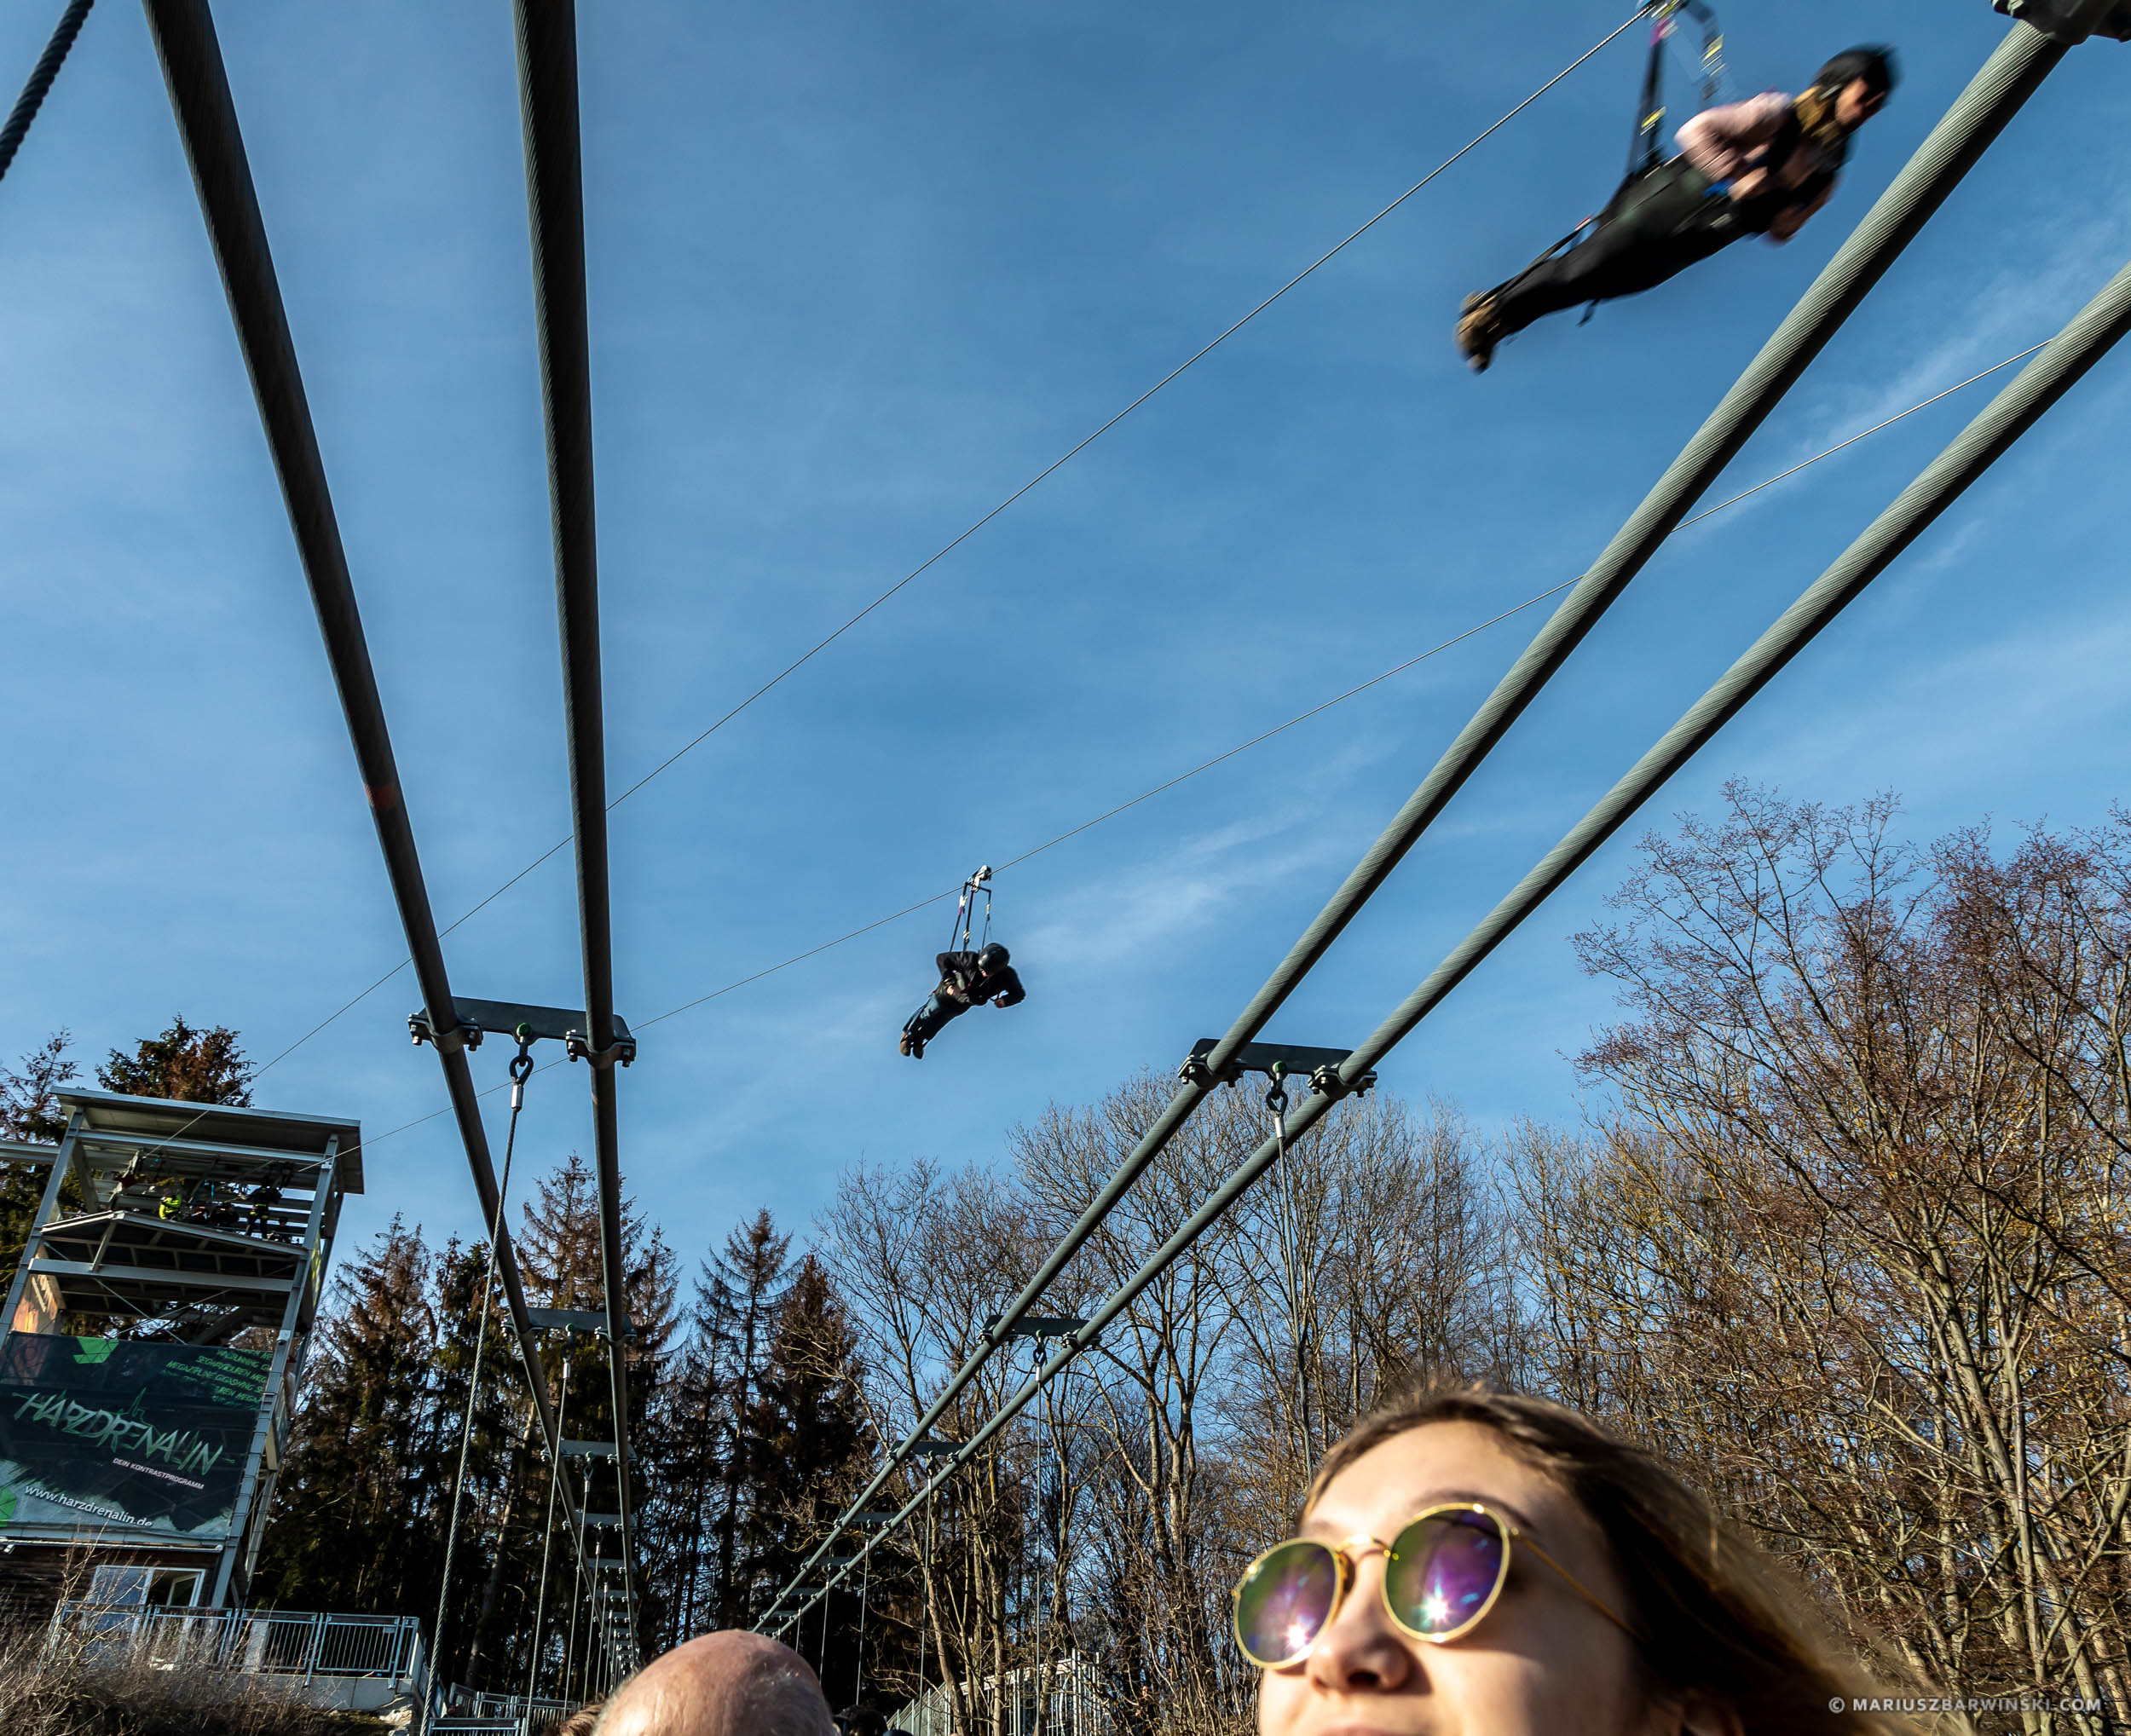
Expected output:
{"points": [[521, 1065], [577, 1602], [547, 1543], [865, 1588], [1289, 1218], [2015, 71], [1176, 373], [17, 125], [946, 550], [2062, 362], [1168, 784], [206, 115], [555, 202]]}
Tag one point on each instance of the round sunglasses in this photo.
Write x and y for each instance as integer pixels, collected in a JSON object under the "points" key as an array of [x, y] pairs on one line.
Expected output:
{"points": [[1442, 1575]]}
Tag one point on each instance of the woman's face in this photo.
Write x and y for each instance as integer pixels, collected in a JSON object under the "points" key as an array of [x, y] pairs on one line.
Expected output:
{"points": [[1859, 100], [1542, 1663]]}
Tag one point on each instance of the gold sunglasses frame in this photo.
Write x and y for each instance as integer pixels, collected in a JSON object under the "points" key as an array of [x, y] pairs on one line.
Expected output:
{"points": [[1346, 1558]]}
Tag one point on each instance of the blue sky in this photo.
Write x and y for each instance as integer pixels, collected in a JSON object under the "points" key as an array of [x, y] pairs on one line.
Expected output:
{"points": [[858, 271]]}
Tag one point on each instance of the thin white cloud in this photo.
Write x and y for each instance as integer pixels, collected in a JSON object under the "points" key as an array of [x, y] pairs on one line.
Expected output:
{"points": [[2048, 700], [1188, 887]]}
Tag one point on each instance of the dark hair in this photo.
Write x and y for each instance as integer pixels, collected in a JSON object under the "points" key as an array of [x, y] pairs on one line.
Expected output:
{"points": [[1873, 62], [864, 1721], [1718, 1619]]}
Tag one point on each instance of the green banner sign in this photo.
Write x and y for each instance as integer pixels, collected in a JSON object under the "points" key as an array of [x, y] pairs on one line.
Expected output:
{"points": [[101, 1432]]}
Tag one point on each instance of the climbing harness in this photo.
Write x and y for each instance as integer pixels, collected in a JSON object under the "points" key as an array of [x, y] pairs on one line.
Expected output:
{"points": [[977, 883], [1644, 151], [1290, 1220], [521, 1071]]}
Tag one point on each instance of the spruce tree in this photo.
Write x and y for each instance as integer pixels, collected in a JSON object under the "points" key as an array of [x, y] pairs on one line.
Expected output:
{"points": [[349, 1529], [741, 1293], [30, 1110], [188, 1065], [808, 1451]]}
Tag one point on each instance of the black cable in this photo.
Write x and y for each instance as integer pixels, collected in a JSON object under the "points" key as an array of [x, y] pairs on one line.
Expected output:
{"points": [[555, 203], [17, 127], [1182, 776], [822, 644]]}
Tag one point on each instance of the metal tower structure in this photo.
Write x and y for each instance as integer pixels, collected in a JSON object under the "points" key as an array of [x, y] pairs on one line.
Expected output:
{"points": [[155, 1333]]}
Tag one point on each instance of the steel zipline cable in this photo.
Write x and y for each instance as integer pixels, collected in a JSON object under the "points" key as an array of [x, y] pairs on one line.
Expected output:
{"points": [[2058, 366], [521, 1067], [1049, 471], [205, 110], [2013, 73], [16, 128], [1221, 758]]}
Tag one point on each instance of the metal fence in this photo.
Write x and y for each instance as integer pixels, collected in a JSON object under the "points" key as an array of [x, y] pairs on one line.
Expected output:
{"points": [[511, 1710], [260, 1642], [1006, 1706]]}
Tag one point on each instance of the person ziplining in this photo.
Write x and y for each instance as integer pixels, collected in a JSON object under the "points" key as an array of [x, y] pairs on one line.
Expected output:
{"points": [[1761, 167], [968, 978]]}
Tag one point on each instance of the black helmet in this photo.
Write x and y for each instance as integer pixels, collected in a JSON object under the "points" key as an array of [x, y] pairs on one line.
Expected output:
{"points": [[992, 957], [1873, 62]]}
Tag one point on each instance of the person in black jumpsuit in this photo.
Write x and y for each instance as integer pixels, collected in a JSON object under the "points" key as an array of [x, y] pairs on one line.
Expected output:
{"points": [[1761, 167], [966, 979]]}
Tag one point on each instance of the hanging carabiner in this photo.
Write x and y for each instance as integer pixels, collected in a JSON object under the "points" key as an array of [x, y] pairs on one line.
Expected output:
{"points": [[521, 1067]]}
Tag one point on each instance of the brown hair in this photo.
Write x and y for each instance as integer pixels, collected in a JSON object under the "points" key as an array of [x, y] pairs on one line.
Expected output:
{"points": [[1719, 1619]]}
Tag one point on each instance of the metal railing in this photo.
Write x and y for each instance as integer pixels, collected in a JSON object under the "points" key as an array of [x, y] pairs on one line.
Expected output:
{"points": [[258, 1642], [1006, 1705], [511, 1709]]}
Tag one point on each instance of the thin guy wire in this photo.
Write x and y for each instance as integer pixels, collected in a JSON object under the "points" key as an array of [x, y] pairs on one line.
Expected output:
{"points": [[1174, 373], [1970, 450], [547, 1544], [569, 1649], [1854, 438], [473, 1386], [1207, 765], [1059, 464]]}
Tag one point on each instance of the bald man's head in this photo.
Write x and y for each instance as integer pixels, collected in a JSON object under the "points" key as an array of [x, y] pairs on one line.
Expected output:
{"points": [[724, 1684]]}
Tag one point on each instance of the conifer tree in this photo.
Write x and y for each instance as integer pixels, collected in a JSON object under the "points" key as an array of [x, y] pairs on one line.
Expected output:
{"points": [[30, 1110], [349, 1529], [188, 1065], [806, 1445], [742, 1291]]}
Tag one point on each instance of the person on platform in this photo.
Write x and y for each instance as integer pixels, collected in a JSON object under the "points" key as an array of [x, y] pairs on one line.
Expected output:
{"points": [[967, 979], [1760, 167]]}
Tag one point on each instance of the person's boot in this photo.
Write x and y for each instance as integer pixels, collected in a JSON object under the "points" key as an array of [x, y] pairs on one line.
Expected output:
{"points": [[1479, 329]]}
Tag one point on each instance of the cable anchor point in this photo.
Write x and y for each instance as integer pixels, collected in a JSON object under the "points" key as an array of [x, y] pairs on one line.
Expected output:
{"points": [[1326, 1082], [520, 1066], [578, 1048]]}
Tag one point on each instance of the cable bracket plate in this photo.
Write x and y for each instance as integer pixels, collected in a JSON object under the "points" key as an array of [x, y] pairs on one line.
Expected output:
{"points": [[563, 1024], [1319, 1066]]}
